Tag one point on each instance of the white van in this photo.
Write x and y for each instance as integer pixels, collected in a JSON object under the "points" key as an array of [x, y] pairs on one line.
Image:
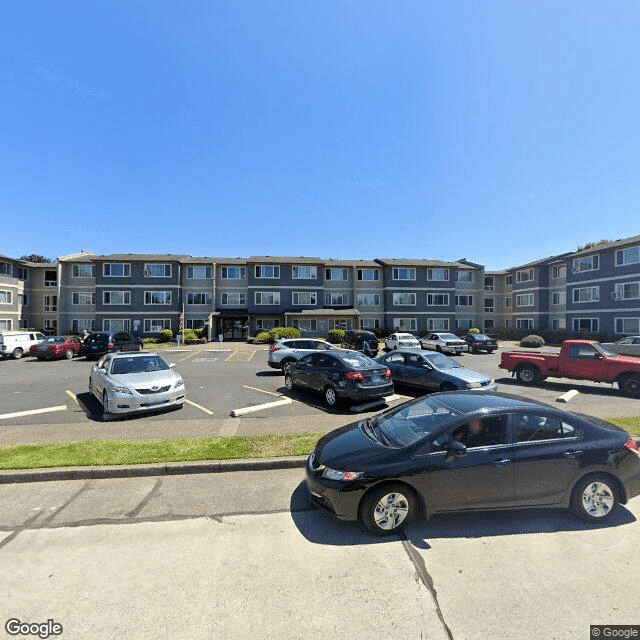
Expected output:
{"points": [[16, 343]]}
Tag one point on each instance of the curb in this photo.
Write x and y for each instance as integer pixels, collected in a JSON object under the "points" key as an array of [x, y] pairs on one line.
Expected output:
{"points": [[141, 471]]}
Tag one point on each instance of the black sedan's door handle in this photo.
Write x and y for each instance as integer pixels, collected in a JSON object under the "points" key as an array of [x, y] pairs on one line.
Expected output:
{"points": [[502, 462], [572, 454]]}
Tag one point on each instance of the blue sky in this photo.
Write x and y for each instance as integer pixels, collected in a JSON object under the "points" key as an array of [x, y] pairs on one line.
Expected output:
{"points": [[502, 132]]}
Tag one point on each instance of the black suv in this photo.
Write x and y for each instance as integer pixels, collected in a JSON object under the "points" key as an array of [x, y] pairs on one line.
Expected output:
{"points": [[100, 342], [364, 341]]}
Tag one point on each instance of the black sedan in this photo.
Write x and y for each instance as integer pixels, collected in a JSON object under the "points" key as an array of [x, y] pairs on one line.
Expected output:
{"points": [[433, 372], [465, 451], [480, 342], [340, 375]]}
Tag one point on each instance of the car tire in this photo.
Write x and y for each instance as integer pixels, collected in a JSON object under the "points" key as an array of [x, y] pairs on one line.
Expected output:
{"points": [[528, 374], [17, 353], [288, 382], [490, 350], [595, 498], [286, 362], [330, 396], [69, 354], [105, 407], [385, 510], [630, 386]]}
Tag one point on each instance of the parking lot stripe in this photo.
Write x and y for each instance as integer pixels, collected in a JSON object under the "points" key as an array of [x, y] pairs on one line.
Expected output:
{"points": [[33, 412], [271, 393], [191, 354], [72, 396], [258, 407], [230, 356], [197, 406]]}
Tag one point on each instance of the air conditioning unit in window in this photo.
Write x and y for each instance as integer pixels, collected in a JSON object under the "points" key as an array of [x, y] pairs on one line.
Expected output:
{"points": [[616, 295], [147, 273]]}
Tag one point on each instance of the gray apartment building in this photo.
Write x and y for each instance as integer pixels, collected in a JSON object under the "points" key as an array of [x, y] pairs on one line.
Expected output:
{"points": [[596, 288]]}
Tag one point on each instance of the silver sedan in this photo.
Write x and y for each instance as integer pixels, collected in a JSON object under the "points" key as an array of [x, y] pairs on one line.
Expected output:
{"points": [[629, 346], [133, 382]]}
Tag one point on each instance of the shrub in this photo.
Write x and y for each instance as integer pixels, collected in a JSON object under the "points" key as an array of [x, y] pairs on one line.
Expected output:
{"points": [[284, 332], [166, 335], [335, 336], [201, 333], [189, 334], [473, 330], [532, 341], [263, 337], [150, 340]]}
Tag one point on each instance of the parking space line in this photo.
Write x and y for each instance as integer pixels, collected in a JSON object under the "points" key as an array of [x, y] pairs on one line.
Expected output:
{"points": [[72, 396], [271, 393], [258, 407], [193, 353], [231, 355], [198, 406], [33, 412]]}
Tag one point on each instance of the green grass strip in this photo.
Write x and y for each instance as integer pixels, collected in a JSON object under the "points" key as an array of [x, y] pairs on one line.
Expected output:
{"points": [[632, 425], [117, 452]]}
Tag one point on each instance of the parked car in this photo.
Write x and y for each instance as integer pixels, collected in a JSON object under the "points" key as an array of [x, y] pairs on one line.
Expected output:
{"points": [[340, 375], [57, 347], [467, 451], [444, 342], [629, 346], [433, 371], [363, 341], [98, 343], [480, 342], [285, 352], [15, 344], [401, 341], [133, 382]]}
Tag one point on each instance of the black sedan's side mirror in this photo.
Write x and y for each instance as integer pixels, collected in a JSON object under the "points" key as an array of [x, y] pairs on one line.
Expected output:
{"points": [[427, 366], [455, 449]]}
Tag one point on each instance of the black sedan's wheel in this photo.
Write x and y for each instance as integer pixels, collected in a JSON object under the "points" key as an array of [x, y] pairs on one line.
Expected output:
{"points": [[630, 386], [69, 354], [286, 363], [438, 348], [387, 509], [594, 498], [528, 374], [288, 382], [490, 350], [330, 397]]}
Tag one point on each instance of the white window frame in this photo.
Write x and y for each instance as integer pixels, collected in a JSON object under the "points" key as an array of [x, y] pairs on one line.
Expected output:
{"points": [[558, 324], [525, 300], [468, 303], [620, 291], [194, 271], [242, 299], [275, 270], [163, 323], [370, 323], [226, 270], [192, 294], [296, 271], [489, 283], [50, 302], [619, 328], [404, 273], [583, 295], [149, 295], [76, 270], [438, 274], [23, 299], [508, 281], [368, 274], [193, 323], [108, 266], [274, 294], [305, 324], [489, 308], [6, 296], [558, 271], [508, 302], [576, 324], [82, 324], [50, 283], [464, 323], [331, 272], [464, 275], [77, 296], [397, 299], [529, 273], [150, 267], [312, 295], [6, 324], [558, 298], [126, 296], [432, 296], [336, 299], [106, 324], [362, 296], [437, 324], [405, 324], [22, 273], [525, 323], [586, 263], [620, 256]]}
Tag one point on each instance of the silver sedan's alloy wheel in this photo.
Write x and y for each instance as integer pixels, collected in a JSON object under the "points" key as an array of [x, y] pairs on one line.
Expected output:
{"points": [[288, 382], [391, 511], [597, 499], [105, 406]]}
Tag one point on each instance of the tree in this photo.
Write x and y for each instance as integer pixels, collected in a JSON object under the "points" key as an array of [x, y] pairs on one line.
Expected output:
{"points": [[36, 257]]}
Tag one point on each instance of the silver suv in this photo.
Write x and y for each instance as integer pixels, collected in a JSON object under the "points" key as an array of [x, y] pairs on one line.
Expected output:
{"points": [[287, 351]]}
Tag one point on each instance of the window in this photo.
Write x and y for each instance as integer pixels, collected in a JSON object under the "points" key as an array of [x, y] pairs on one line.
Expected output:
{"points": [[628, 256], [234, 298], [438, 324], [405, 324], [157, 270], [558, 297], [371, 323], [194, 324], [586, 324], [485, 432], [5, 297], [267, 297], [628, 291], [336, 299], [83, 271], [404, 273], [368, 300], [558, 323], [507, 303], [533, 428], [488, 324], [6, 324], [79, 297], [585, 351], [23, 299], [586, 294], [50, 278], [524, 276], [336, 274], [301, 298], [407, 299], [488, 283], [628, 325], [438, 299], [525, 300], [22, 273], [50, 303], [267, 271], [464, 275], [199, 273], [157, 297], [116, 324], [464, 323], [464, 301], [83, 324], [489, 305], [588, 263], [5, 269], [524, 323], [116, 270], [368, 274], [234, 273], [559, 271], [198, 297], [155, 325], [438, 274], [116, 297], [508, 281], [305, 324], [304, 273], [340, 324]]}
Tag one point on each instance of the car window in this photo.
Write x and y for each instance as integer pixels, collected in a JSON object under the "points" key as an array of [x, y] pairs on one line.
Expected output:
{"points": [[308, 359], [356, 361], [327, 361], [582, 351], [415, 361], [104, 363], [440, 361], [532, 427], [395, 358], [481, 432]]}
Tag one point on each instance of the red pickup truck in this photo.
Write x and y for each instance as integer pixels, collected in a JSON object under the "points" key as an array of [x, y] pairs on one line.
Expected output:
{"points": [[578, 359]]}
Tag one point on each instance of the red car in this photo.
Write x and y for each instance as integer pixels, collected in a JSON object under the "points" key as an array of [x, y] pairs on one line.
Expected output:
{"points": [[57, 347]]}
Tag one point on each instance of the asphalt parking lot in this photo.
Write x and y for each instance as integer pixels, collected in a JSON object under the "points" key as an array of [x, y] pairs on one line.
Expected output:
{"points": [[220, 380]]}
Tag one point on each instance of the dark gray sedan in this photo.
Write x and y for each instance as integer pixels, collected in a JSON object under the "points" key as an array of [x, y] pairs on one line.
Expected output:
{"points": [[433, 372]]}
